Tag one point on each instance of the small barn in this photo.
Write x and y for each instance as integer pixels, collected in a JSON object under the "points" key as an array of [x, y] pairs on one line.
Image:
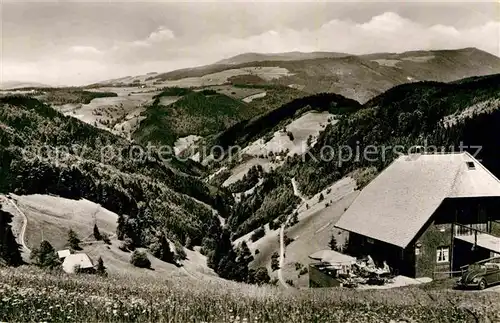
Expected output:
{"points": [[63, 253], [79, 262], [427, 215]]}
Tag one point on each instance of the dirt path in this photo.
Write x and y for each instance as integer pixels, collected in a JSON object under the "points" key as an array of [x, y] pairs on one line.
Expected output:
{"points": [[296, 191], [25, 224], [282, 235]]}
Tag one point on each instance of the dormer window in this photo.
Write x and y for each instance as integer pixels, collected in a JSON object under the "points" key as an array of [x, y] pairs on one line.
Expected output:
{"points": [[470, 165]]}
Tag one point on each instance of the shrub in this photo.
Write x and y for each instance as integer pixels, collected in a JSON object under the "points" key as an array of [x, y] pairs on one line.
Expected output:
{"points": [[257, 234], [275, 224], [257, 251], [180, 254], [261, 276], [106, 239], [294, 219], [189, 243], [123, 246], [290, 135], [129, 244], [275, 264], [140, 259], [160, 248], [287, 240]]}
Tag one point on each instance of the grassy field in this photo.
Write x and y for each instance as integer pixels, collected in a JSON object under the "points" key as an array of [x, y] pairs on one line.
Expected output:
{"points": [[52, 217], [31, 295]]}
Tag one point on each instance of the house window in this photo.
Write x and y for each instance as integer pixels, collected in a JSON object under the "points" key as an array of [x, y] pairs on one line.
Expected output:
{"points": [[443, 254], [471, 165], [417, 250]]}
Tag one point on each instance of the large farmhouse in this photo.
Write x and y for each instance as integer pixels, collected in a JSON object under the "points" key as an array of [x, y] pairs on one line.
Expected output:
{"points": [[427, 215]]}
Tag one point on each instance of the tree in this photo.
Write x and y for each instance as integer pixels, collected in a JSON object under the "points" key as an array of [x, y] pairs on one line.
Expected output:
{"points": [[180, 254], [294, 219], [287, 240], [73, 240], [10, 252], [101, 269], [261, 276], [257, 234], [140, 259], [188, 243], [105, 238], [128, 243], [244, 253], [275, 265], [97, 234], [45, 256], [333, 243], [160, 248]]}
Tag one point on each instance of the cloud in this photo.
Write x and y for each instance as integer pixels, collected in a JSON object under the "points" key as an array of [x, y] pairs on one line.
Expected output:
{"points": [[162, 50], [85, 50], [160, 35], [387, 32], [388, 22]]}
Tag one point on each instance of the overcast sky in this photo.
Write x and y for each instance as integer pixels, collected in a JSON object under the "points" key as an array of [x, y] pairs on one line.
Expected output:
{"points": [[81, 42]]}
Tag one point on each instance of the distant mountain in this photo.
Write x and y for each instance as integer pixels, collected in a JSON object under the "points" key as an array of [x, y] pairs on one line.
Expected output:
{"points": [[359, 77], [12, 85], [290, 56]]}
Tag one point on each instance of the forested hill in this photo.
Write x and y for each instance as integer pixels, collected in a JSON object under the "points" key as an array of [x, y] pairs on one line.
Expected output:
{"points": [[244, 132], [423, 113], [153, 195]]}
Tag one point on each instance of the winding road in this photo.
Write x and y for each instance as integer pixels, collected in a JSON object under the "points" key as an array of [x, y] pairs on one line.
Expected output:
{"points": [[25, 224], [282, 235]]}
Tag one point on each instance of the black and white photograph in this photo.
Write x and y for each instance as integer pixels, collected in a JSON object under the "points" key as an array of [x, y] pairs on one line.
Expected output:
{"points": [[250, 161]]}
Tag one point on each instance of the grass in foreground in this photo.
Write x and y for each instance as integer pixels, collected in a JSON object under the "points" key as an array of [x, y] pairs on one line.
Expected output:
{"points": [[31, 295]]}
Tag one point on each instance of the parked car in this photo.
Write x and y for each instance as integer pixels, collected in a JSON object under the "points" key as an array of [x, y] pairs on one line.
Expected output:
{"points": [[480, 276]]}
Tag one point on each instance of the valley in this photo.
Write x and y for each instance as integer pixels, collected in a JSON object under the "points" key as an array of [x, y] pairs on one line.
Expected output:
{"points": [[229, 232]]}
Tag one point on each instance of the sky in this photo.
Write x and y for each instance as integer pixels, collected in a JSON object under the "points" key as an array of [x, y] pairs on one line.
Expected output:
{"points": [[80, 42]]}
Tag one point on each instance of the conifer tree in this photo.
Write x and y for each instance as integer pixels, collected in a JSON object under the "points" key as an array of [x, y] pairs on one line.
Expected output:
{"points": [[73, 240], [97, 234], [45, 256], [10, 253], [101, 269], [333, 243]]}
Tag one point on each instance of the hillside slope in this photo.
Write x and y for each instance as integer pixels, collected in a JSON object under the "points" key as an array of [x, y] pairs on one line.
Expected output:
{"points": [[426, 114], [42, 151], [195, 113], [356, 77], [290, 56]]}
